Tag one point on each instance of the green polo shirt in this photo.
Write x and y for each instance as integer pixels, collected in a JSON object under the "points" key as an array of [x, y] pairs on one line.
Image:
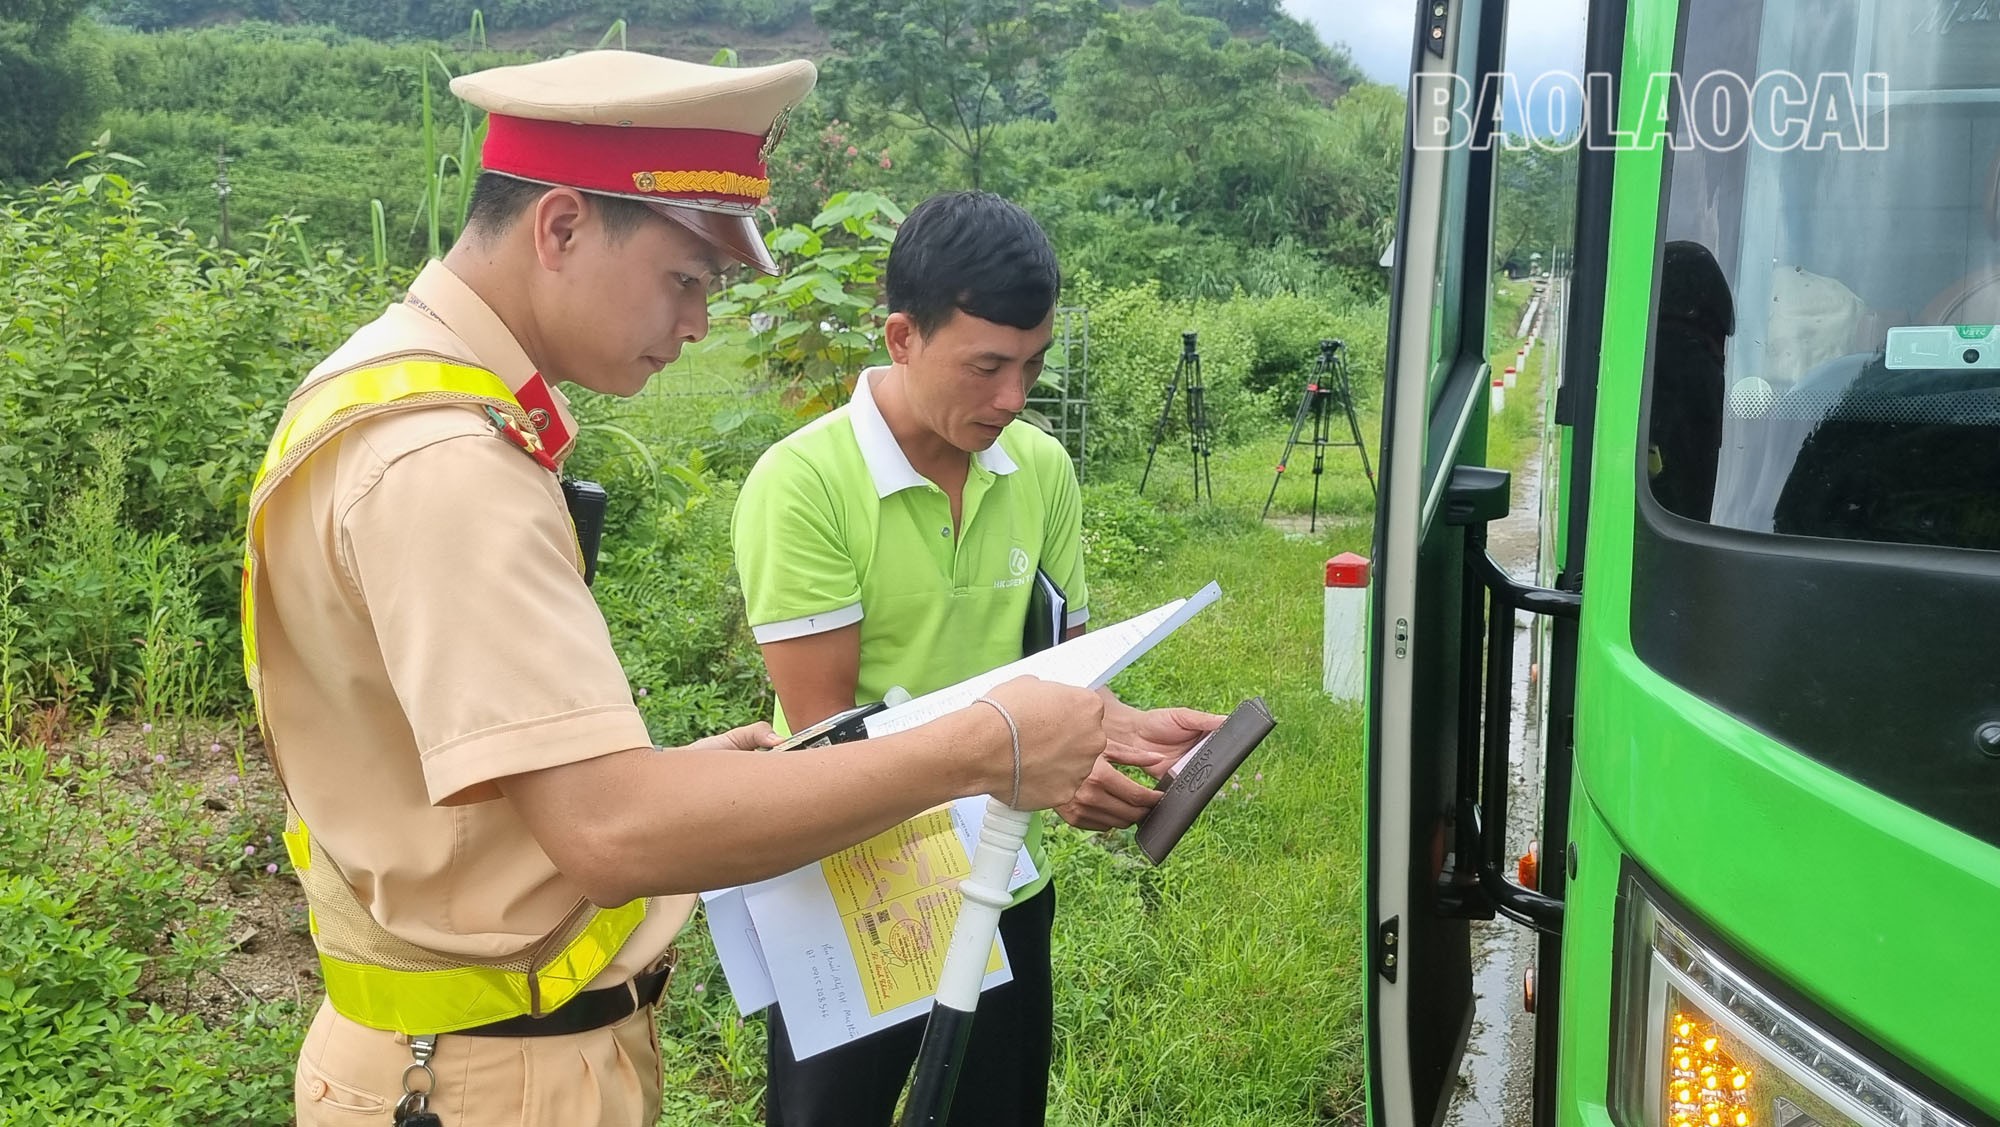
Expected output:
{"points": [[834, 527]]}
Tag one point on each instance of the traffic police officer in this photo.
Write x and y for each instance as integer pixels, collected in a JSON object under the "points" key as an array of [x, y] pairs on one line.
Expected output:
{"points": [[494, 854]]}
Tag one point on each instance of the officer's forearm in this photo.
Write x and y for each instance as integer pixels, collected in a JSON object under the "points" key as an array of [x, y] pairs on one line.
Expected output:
{"points": [[654, 823]]}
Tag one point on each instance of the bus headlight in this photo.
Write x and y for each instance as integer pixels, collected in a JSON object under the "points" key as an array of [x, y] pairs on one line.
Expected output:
{"points": [[1699, 1044]]}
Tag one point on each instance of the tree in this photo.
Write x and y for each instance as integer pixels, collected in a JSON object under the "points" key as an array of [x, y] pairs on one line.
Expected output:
{"points": [[50, 86], [956, 68], [1333, 62], [1158, 84], [1530, 212], [1361, 154], [1181, 117], [38, 24]]}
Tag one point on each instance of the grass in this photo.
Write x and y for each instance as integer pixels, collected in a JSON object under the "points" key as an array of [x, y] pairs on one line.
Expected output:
{"points": [[1242, 474], [1222, 988], [1517, 430]]}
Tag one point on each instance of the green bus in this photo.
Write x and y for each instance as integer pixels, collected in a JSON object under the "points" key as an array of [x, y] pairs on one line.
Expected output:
{"points": [[1770, 780]]}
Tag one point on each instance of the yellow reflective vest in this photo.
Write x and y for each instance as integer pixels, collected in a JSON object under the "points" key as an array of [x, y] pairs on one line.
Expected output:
{"points": [[372, 976]]}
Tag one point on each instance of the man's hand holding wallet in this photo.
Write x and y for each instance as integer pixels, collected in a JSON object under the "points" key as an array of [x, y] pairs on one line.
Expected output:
{"points": [[1199, 776]]}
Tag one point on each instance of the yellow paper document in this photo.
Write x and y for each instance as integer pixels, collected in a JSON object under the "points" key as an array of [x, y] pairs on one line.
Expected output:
{"points": [[897, 896], [855, 944]]}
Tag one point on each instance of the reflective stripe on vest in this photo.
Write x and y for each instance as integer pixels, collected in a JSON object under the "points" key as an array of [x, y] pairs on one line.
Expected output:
{"points": [[426, 991]]}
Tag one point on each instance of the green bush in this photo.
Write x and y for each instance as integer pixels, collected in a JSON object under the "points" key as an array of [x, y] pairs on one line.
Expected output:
{"points": [[124, 859], [313, 123], [1135, 347], [1286, 329], [78, 1048], [676, 616], [55, 82], [1123, 533], [102, 611], [442, 18], [70, 1032], [106, 919], [140, 377], [825, 312], [319, 122], [1255, 354]]}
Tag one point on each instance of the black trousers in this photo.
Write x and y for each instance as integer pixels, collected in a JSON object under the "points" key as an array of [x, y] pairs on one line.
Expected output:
{"points": [[1005, 1080]]}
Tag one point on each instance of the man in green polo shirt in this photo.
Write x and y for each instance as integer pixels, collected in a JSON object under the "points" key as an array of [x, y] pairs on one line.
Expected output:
{"points": [[893, 544]]}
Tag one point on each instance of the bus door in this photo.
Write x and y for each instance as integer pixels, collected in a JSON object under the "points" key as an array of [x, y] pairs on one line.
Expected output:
{"points": [[1427, 634]]}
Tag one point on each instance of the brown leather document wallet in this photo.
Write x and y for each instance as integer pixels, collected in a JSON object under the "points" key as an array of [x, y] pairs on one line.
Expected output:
{"points": [[1204, 772]]}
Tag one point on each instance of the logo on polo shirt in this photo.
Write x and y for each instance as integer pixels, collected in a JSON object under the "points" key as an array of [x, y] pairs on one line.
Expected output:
{"points": [[1019, 563]]}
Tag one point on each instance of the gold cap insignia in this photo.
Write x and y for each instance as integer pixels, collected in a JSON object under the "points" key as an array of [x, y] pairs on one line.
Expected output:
{"points": [[776, 134]]}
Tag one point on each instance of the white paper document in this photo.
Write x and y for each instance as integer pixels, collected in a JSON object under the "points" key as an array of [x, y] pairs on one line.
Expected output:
{"points": [[737, 948], [1088, 662], [854, 944]]}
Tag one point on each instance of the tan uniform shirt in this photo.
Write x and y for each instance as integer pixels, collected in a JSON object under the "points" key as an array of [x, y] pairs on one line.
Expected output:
{"points": [[429, 634]]}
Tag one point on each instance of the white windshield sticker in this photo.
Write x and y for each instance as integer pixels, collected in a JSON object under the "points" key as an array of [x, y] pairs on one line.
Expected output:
{"points": [[1950, 347]]}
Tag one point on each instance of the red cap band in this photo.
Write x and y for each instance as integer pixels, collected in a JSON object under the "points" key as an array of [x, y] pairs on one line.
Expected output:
{"points": [[711, 165]]}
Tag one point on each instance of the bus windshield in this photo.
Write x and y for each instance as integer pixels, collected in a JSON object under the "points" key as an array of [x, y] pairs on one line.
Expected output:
{"points": [[1826, 362]]}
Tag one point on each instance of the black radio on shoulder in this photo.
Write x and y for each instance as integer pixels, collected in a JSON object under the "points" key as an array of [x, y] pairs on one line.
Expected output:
{"points": [[587, 501]]}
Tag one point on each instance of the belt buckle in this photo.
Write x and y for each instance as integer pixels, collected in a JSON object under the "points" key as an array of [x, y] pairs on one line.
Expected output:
{"points": [[668, 959], [650, 984]]}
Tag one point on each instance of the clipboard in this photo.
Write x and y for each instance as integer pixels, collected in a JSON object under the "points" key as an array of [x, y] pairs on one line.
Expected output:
{"points": [[1199, 776], [840, 728]]}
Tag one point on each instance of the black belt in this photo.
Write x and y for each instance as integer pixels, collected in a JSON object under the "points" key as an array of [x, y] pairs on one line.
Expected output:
{"points": [[592, 1009]]}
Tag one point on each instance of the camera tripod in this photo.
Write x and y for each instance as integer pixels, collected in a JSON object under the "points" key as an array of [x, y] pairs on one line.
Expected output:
{"points": [[1200, 442], [1328, 379]]}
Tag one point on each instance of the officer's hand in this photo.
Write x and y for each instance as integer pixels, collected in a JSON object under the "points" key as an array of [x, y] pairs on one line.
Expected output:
{"points": [[1108, 800], [1062, 738], [750, 737]]}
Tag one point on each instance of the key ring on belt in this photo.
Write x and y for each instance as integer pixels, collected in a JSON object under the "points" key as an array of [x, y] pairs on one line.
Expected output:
{"points": [[414, 1100]]}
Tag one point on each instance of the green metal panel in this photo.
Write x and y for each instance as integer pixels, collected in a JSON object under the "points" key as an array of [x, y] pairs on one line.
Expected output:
{"points": [[1878, 914]]}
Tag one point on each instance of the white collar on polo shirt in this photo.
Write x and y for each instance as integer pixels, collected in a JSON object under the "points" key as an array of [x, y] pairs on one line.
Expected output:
{"points": [[887, 463]]}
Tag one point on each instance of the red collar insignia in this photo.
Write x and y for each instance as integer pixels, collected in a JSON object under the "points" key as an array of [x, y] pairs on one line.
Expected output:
{"points": [[539, 401], [521, 438]]}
